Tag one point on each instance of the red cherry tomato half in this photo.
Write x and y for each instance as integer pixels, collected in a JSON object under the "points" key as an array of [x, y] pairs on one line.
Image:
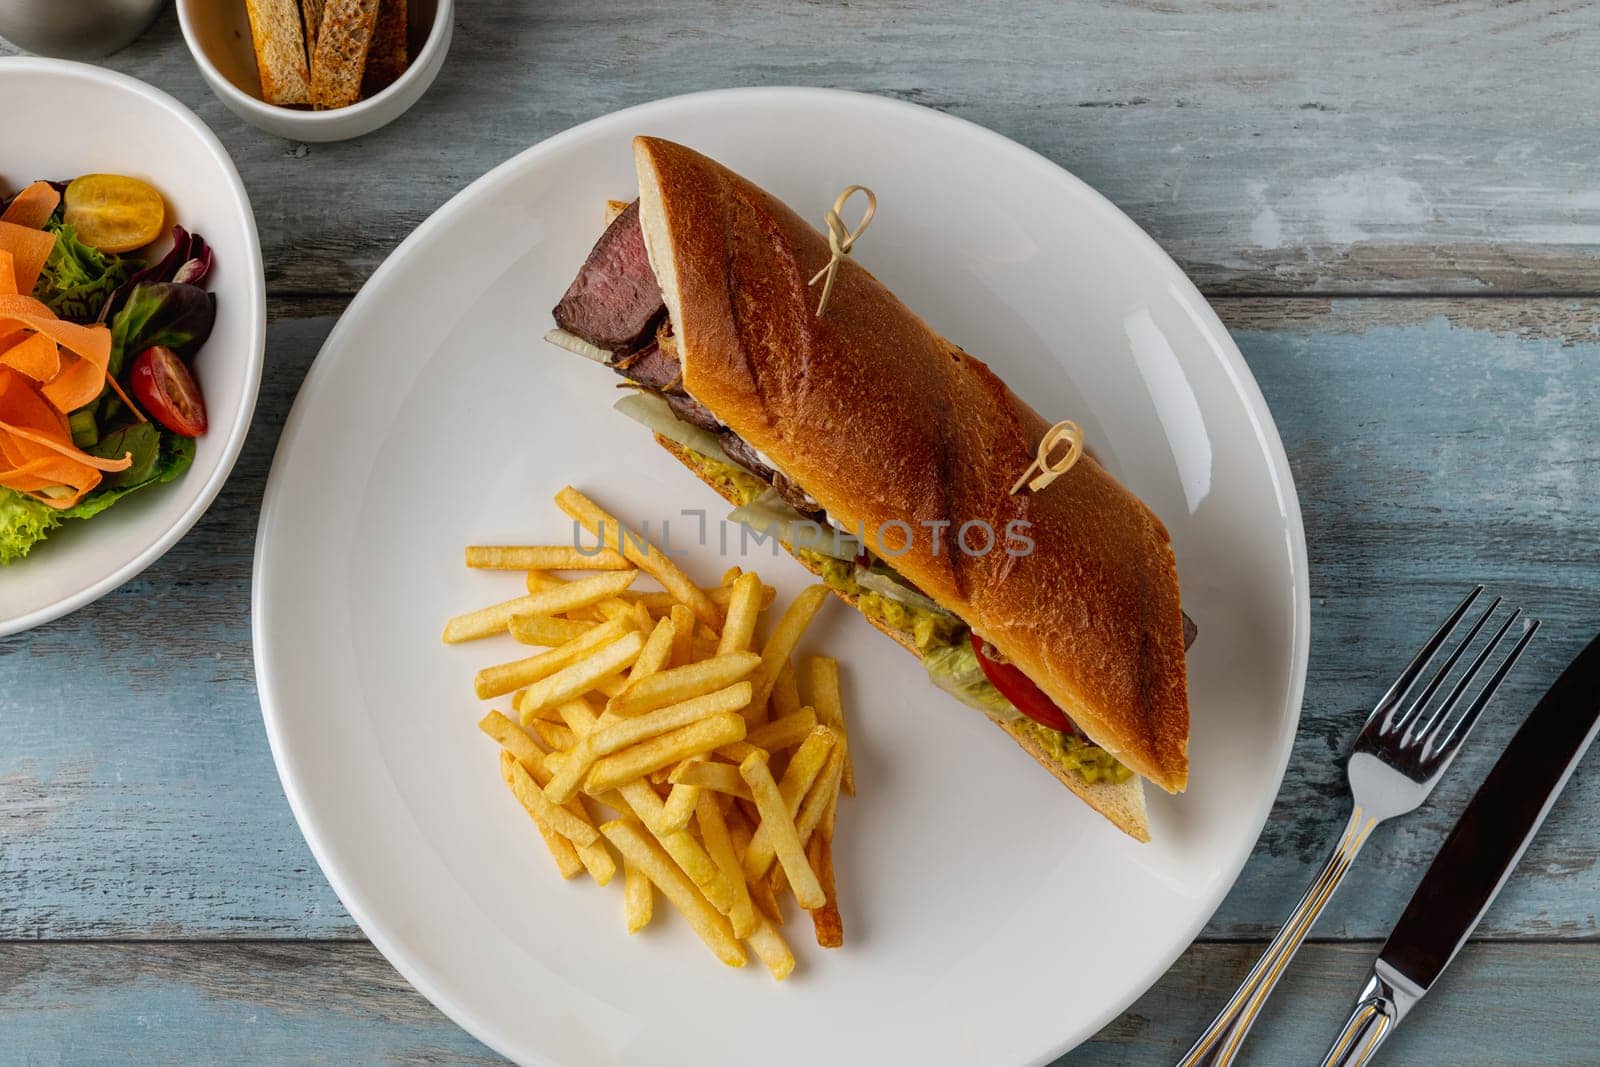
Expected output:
{"points": [[1020, 690], [165, 388]]}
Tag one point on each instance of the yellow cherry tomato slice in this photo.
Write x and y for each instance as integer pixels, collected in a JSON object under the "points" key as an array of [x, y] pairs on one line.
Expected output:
{"points": [[114, 213]]}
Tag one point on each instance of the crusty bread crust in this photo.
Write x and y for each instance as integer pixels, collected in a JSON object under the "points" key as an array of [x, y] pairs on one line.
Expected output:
{"points": [[1120, 802], [280, 51], [341, 53], [890, 426]]}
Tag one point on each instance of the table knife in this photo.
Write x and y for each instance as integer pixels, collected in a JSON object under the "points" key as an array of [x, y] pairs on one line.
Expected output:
{"points": [[1477, 857]]}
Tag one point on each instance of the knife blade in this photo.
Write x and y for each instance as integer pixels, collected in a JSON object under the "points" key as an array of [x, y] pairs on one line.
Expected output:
{"points": [[1479, 855]]}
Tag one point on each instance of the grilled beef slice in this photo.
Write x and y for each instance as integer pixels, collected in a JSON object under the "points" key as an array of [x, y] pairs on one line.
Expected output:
{"points": [[615, 301]]}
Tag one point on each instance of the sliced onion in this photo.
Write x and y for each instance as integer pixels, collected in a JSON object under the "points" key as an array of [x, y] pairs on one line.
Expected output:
{"points": [[895, 588], [655, 415], [769, 513], [573, 343]]}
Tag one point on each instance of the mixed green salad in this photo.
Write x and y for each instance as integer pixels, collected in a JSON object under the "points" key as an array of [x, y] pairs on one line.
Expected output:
{"points": [[97, 396]]}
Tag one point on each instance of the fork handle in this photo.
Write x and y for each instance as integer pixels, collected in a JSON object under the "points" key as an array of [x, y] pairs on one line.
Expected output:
{"points": [[1221, 1041]]}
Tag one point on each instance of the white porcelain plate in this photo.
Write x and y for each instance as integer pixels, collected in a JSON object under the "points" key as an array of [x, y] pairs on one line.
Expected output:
{"points": [[990, 917], [70, 119]]}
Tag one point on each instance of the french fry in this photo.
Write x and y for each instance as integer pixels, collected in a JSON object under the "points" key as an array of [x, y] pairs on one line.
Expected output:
{"points": [[546, 630], [612, 686], [624, 732], [617, 608], [553, 734], [486, 622], [643, 555], [682, 634], [580, 677], [783, 639], [744, 606], [785, 699], [638, 897], [567, 860], [719, 845], [663, 751], [803, 770], [539, 581], [775, 736], [827, 923], [544, 558], [777, 825], [819, 802], [678, 684], [720, 777], [595, 856], [702, 645], [502, 678], [821, 675], [553, 815], [760, 890], [771, 949], [679, 807], [605, 740], [641, 618], [712, 926], [720, 595], [509, 736], [657, 651], [598, 861]]}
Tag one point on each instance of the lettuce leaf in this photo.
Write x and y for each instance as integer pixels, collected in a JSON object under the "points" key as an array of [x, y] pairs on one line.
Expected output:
{"points": [[159, 457], [172, 456], [24, 522], [174, 314], [77, 281]]}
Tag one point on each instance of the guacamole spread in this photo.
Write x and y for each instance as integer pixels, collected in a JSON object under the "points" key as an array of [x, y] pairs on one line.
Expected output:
{"points": [[732, 481]]}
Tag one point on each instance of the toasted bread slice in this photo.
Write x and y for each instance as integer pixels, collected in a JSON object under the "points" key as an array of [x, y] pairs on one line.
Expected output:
{"points": [[311, 13], [1122, 803], [387, 56], [341, 56], [280, 51]]}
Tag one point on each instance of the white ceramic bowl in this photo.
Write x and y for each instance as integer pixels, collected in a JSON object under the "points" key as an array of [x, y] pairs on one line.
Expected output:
{"points": [[218, 35], [116, 124]]}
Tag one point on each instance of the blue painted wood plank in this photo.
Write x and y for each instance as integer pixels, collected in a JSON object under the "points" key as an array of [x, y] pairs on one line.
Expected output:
{"points": [[341, 1003], [1434, 444], [1415, 148]]}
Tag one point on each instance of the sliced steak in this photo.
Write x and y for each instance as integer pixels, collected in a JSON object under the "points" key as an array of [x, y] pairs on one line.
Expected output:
{"points": [[693, 412], [653, 367], [739, 450], [615, 301]]}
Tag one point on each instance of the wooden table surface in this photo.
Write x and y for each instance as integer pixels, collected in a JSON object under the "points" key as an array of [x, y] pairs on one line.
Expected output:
{"points": [[1395, 208]]}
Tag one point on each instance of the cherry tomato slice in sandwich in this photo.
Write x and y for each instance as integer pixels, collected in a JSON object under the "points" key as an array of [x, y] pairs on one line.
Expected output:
{"points": [[165, 388], [1020, 690]]}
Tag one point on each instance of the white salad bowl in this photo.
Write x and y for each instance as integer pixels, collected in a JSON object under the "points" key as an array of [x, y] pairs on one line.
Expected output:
{"points": [[71, 119]]}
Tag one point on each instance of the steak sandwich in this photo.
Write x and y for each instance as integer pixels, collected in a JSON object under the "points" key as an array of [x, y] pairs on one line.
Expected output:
{"points": [[883, 457]]}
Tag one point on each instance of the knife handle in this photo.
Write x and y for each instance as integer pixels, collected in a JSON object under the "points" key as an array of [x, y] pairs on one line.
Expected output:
{"points": [[1378, 1011]]}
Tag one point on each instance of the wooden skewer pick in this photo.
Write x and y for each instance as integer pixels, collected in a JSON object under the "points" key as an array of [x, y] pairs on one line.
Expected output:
{"points": [[1049, 470], [840, 239]]}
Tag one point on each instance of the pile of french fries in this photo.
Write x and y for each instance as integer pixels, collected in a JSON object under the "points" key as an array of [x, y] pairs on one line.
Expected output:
{"points": [[720, 782]]}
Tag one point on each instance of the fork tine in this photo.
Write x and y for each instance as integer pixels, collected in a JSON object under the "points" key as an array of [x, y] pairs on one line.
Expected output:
{"points": [[1408, 677], [1421, 733], [1409, 717], [1458, 731]]}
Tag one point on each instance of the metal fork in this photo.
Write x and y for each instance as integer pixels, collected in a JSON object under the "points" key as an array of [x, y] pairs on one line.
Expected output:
{"points": [[1398, 758]]}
